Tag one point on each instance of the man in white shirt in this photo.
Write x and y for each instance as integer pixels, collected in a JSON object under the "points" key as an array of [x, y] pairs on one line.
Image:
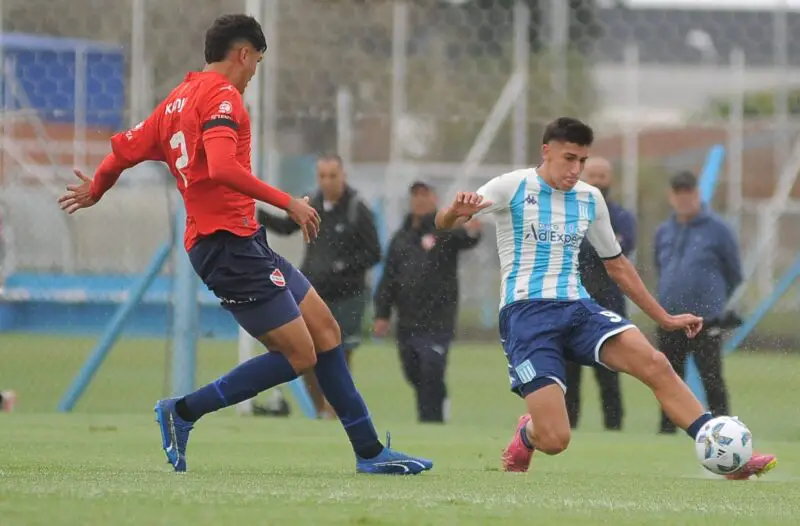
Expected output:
{"points": [[546, 315]]}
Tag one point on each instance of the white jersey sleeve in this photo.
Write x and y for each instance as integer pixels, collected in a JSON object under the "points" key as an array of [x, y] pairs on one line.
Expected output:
{"points": [[499, 191], [600, 234]]}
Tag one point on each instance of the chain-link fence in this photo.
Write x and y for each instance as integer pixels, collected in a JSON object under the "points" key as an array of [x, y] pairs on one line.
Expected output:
{"points": [[453, 92]]}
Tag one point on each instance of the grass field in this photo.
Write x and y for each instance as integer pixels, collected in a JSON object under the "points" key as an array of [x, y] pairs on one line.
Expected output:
{"points": [[102, 465]]}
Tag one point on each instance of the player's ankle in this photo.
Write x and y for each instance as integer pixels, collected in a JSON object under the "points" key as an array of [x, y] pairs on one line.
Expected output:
{"points": [[695, 426], [526, 440], [184, 412], [369, 451]]}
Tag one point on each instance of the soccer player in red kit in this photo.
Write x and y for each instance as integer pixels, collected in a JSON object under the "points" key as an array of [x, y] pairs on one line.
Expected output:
{"points": [[202, 132]]}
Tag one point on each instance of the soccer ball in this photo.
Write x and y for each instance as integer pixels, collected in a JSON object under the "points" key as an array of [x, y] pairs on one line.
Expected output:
{"points": [[724, 445]]}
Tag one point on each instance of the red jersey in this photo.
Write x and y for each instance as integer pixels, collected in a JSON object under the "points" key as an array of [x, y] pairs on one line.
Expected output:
{"points": [[205, 104]]}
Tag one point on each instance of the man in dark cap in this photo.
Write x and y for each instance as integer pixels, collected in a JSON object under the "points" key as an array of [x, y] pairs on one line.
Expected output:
{"points": [[698, 262], [420, 283]]}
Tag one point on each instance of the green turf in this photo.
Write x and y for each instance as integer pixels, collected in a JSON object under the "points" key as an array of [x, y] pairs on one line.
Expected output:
{"points": [[102, 465]]}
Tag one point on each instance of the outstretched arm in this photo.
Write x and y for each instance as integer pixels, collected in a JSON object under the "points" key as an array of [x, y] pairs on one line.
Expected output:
{"points": [[224, 168], [465, 205], [622, 271], [221, 117], [492, 197], [447, 218], [128, 149], [89, 190]]}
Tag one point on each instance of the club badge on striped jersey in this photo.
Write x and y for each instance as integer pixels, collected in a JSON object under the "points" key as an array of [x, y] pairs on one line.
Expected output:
{"points": [[583, 211]]}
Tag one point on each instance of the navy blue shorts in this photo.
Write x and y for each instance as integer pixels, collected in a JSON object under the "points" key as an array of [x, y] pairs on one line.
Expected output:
{"points": [[539, 335], [258, 286]]}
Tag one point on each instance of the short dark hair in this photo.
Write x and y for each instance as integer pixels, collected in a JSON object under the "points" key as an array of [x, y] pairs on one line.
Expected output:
{"points": [[330, 157], [420, 185], [227, 30], [684, 180], [567, 129]]}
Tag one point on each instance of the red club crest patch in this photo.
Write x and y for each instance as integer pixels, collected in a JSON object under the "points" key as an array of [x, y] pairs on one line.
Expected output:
{"points": [[428, 242], [277, 278]]}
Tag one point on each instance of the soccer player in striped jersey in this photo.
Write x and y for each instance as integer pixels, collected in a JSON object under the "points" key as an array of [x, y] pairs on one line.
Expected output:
{"points": [[546, 317]]}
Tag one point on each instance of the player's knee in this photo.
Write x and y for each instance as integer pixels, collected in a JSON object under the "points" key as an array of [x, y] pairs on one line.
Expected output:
{"points": [[333, 330], [301, 356], [655, 369], [552, 441], [304, 360], [327, 335]]}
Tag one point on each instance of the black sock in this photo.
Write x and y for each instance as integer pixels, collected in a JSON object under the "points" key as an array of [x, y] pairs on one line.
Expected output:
{"points": [[371, 451], [694, 428], [183, 411]]}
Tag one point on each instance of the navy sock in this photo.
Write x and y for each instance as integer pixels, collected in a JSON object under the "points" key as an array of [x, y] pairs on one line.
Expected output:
{"points": [[244, 381], [694, 428], [525, 440], [338, 387]]}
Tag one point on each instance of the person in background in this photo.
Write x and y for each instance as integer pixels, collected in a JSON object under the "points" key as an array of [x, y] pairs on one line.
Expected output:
{"points": [[699, 267], [4, 256], [337, 261], [8, 399], [420, 283], [598, 173]]}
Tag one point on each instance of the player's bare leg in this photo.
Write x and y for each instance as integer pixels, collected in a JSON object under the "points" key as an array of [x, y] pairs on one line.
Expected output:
{"points": [[327, 336], [548, 430], [340, 391], [631, 353], [325, 325], [321, 406], [294, 342], [545, 427], [321, 324]]}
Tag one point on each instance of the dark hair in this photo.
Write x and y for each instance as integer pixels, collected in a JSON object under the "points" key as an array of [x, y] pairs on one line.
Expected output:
{"points": [[330, 157], [229, 29], [684, 180], [567, 129], [420, 185]]}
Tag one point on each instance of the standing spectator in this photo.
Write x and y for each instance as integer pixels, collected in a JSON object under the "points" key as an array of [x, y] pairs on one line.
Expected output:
{"points": [[697, 258], [5, 256], [597, 172], [420, 282], [8, 399], [337, 261]]}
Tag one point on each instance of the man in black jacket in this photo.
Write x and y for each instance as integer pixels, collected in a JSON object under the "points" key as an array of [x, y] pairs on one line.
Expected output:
{"points": [[595, 279], [420, 282], [337, 261]]}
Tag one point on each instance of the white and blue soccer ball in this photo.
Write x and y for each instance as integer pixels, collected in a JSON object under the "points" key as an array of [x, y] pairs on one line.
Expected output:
{"points": [[724, 445]]}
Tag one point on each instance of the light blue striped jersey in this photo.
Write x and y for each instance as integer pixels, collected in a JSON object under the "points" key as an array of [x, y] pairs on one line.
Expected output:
{"points": [[539, 232]]}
